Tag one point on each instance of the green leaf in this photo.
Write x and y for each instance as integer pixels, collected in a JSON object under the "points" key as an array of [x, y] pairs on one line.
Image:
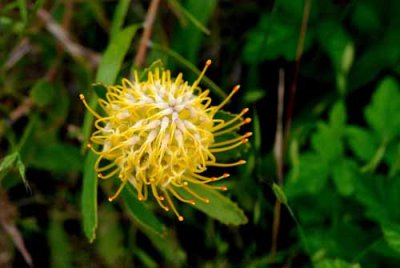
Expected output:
{"points": [[391, 234], [198, 24], [327, 142], [383, 114], [365, 18], [8, 161], [89, 197], [257, 132], [312, 176], [252, 96], [119, 17], [168, 248], [21, 169], [338, 117], [43, 93], [187, 64], [68, 157], [274, 37], [219, 207], [110, 239], [336, 263], [111, 61], [141, 213], [335, 41], [187, 40], [60, 249], [344, 174], [279, 193], [107, 73], [100, 90], [23, 10], [381, 54], [362, 142]]}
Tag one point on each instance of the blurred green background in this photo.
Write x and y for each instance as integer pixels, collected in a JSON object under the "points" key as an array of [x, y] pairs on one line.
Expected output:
{"points": [[322, 184]]}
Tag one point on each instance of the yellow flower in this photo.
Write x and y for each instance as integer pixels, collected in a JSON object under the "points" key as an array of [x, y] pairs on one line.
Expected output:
{"points": [[159, 135]]}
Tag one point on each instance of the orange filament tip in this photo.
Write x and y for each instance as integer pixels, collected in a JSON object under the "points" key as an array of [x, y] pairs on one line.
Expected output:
{"points": [[192, 202], [241, 162], [110, 199], [245, 141], [247, 120], [140, 198], [180, 218], [81, 96], [206, 200], [99, 175], [213, 178], [161, 198], [245, 110], [248, 134], [224, 188], [120, 176], [208, 62], [226, 175], [166, 208], [90, 146], [185, 183], [236, 88]]}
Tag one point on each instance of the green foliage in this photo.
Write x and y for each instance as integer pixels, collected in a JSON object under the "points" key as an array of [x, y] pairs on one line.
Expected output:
{"points": [[141, 213], [341, 156], [219, 207], [352, 156]]}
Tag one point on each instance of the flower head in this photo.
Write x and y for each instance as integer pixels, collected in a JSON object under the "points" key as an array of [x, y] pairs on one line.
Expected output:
{"points": [[160, 135]]}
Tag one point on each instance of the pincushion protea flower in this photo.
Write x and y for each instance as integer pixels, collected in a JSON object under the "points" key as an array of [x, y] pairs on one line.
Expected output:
{"points": [[160, 135]]}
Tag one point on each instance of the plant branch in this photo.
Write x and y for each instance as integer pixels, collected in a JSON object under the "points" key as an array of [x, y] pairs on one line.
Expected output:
{"points": [[148, 28]]}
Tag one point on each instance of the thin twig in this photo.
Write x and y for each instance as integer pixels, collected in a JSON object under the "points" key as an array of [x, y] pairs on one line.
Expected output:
{"points": [[76, 50], [279, 145], [7, 221], [148, 28], [278, 154], [66, 21], [299, 53]]}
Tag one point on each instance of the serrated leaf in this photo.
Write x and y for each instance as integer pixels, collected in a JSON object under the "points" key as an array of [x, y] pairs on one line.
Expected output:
{"points": [[344, 175], [383, 114], [141, 213], [89, 197], [312, 176], [362, 142], [338, 117], [327, 142], [391, 234], [334, 40], [111, 61], [219, 207]]}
